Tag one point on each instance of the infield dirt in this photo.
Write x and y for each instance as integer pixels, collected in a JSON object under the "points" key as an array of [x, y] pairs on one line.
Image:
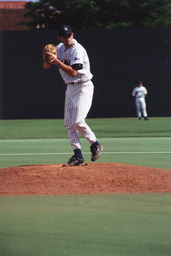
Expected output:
{"points": [[94, 178]]}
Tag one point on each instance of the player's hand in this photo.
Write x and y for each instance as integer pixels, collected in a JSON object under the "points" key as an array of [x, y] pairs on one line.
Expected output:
{"points": [[49, 53], [50, 57]]}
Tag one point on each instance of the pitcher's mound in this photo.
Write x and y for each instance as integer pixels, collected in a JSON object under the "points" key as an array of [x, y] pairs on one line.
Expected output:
{"points": [[93, 178]]}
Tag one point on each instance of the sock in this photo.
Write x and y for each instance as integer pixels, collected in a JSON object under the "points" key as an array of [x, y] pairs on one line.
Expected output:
{"points": [[95, 144], [78, 153]]}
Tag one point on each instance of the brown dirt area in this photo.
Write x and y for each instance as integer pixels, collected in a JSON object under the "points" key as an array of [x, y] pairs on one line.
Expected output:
{"points": [[94, 178]]}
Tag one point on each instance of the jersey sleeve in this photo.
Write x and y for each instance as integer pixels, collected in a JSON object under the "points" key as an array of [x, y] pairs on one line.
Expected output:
{"points": [[134, 91], [77, 56]]}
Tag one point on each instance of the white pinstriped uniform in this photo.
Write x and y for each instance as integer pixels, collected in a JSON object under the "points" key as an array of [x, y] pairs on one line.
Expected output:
{"points": [[140, 100], [78, 96]]}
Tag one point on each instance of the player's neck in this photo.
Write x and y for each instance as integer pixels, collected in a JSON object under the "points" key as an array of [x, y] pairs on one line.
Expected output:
{"points": [[68, 46]]}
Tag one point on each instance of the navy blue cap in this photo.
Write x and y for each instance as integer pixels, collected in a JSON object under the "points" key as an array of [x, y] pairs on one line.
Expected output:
{"points": [[65, 31], [140, 82]]}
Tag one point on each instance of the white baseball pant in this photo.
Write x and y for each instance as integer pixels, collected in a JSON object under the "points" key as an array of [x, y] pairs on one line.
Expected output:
{"points": [[78, 100], [141, 106]]}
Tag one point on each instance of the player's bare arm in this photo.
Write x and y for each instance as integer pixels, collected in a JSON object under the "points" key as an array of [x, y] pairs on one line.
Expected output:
{"points": [[69, 70], [52, 59], [66, 68], [46, 65]]}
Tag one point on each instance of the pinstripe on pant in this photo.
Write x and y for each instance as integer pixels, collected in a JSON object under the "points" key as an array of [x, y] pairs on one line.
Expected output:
{"points": [[78, 100]]}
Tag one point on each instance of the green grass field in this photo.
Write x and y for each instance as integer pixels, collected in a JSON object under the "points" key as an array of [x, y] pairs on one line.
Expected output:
{"points": [[86, 225], [104, 128], [146, 143]]}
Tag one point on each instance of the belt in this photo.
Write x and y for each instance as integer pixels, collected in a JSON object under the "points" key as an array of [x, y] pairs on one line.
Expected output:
{"points": [[78, 82]]}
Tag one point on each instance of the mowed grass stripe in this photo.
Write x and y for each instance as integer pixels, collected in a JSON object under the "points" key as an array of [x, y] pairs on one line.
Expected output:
{"points": [[68, 153], [151, 152]]}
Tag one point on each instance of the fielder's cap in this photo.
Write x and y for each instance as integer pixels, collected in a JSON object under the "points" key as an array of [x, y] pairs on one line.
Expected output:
{"points": [[65, 31], [140, 82]]}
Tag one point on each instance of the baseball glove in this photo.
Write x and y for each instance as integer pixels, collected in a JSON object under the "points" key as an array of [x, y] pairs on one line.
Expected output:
{"points": [[49, 53]]}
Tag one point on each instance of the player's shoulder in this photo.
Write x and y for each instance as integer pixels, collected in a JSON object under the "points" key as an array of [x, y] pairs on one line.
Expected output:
{"points": [[60, 46], [77, 45]]}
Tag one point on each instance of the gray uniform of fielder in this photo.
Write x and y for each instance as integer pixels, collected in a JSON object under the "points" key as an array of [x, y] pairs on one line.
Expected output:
{"points": [[139, 93]]}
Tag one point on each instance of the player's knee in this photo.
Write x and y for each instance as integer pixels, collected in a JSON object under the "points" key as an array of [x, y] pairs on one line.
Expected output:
{"points": [[79, 124], [76, 125], [70, 125], [67, 125]]}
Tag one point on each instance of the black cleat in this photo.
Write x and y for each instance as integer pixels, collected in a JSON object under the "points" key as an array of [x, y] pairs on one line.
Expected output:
{"points": [[96, 152], [75, 161], [146, 118]]}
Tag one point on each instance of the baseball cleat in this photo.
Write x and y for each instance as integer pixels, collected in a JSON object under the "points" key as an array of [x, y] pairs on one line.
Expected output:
{"points": [[96, 152], [75, 161]]}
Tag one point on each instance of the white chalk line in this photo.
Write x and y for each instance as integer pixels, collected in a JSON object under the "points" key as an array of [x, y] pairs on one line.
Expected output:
{"points": [[67, 153]]}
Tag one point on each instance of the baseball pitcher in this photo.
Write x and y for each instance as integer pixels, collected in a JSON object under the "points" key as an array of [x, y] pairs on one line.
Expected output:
{"points": [[72, 60]]}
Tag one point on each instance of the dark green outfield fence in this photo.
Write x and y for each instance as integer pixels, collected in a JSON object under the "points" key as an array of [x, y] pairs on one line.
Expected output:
{"points": [[118, 57]]}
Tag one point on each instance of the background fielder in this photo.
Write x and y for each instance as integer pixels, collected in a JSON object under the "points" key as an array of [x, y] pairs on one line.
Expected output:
{"points": [[74, 67], [139, 93]]}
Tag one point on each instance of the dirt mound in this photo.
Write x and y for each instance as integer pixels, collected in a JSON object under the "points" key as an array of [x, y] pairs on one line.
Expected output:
{"points": [[94, 178]]}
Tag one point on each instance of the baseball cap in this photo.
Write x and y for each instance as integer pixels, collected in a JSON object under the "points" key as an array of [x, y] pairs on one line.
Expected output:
{"points": [[65, 31], [140, 82]]}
